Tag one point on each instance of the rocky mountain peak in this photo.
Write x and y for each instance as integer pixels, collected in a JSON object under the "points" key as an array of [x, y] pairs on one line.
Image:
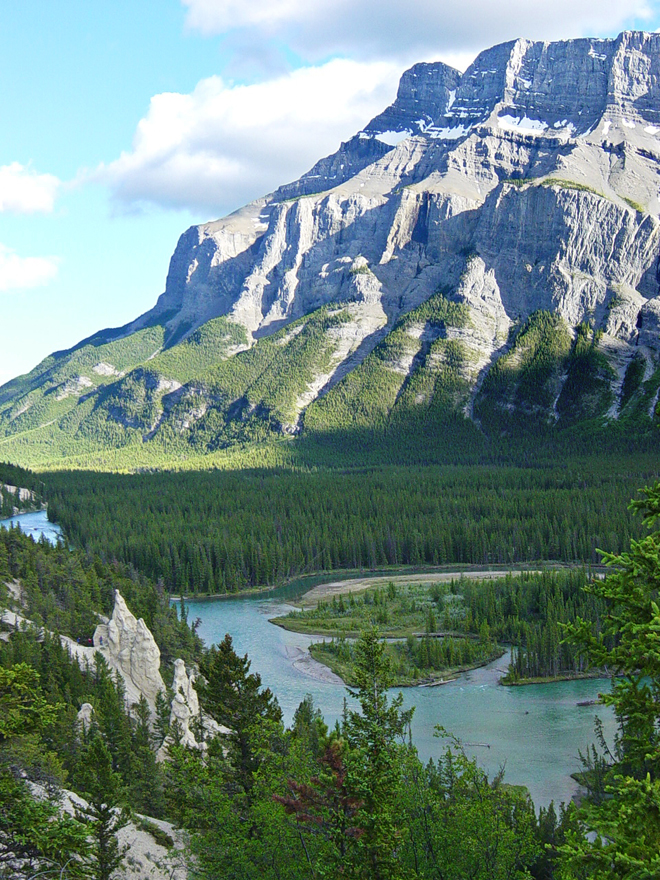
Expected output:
{"points": [[522, 110], [527, 183]]}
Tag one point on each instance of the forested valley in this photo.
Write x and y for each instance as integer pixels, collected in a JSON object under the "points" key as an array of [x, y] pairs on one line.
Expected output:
{"points": [[263, 800], [217, 532]]}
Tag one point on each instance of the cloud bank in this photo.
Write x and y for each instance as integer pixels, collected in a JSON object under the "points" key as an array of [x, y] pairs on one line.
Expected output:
{"points": [[222, 145], [405, 31], [24, 191]]}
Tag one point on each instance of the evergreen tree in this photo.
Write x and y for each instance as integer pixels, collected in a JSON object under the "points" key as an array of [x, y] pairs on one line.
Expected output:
{"points": [[328, 806], [624, 826], [104, 814], [233, 696], [163, 714], [309, 726], [146, 779], [34, 837], [375, 735]]}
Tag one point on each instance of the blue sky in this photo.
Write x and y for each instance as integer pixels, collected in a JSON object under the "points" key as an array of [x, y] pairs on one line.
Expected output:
{"points": [[125, 123]]}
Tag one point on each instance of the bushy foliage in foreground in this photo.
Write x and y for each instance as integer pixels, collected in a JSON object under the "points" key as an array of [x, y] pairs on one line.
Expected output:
{"points": [[354, 802], [619, 834]]}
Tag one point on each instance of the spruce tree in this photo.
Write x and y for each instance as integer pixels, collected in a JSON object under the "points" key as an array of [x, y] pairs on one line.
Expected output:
{"points": [[104, 813], [233, 696], [623, 828], [376, 735]]}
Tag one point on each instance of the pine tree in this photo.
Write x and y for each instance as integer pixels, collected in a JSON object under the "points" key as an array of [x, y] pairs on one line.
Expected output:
{"points": [[375, 735], [103, 814]]}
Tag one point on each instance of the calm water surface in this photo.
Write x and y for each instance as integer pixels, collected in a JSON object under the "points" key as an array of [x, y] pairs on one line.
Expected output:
{"points": [[34, 524], [535, 732]]}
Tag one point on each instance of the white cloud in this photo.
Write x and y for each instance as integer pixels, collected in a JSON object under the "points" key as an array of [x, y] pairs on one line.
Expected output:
{"points": [[18, 273], [223, 145], [23, 191], [409, 31]]}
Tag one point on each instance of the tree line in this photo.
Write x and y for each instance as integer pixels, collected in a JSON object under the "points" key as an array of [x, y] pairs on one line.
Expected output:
{"points": [[307, 802], [218, 532]]}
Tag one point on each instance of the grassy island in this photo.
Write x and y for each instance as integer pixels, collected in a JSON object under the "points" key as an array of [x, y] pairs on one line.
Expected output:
{"points": [[437, 629], [413, 665]]}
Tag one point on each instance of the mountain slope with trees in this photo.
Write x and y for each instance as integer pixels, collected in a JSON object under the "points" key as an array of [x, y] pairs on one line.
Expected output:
{"points": [[475, 268]]}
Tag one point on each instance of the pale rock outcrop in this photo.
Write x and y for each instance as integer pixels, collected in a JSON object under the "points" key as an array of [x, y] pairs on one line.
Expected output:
{"points": [[183, 686], [130, 650], [23, 494], [129, 647], [73, 387], [147, 857], [26, 498], [85, 717], [186, 711], [185, 705]]}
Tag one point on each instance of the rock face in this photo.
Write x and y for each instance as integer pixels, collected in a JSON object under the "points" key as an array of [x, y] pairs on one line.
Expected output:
{"points": [[20, 498], [527, 183], [129, 647], [185, 705], [185, 711], [146, 856], [23, 495], [441, 174], [85, 717]]}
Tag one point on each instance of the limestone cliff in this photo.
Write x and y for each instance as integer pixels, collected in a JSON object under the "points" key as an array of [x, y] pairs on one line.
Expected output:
{"points": [[542, 159]]}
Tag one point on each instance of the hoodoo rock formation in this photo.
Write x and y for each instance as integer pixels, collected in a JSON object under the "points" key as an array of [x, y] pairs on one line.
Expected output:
{"points": [[129, 648], [186, 712]]}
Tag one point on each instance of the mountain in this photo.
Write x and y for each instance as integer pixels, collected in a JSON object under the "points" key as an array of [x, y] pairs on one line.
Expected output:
{"points": [[478, 264]]}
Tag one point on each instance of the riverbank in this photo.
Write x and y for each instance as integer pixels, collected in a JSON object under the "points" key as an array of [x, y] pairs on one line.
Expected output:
{"points": [[309, 588], [549, 679], [399, 633], [323, 655], [535, 731], [342, 667], [326, 591], [408, 605], [304, 661]]}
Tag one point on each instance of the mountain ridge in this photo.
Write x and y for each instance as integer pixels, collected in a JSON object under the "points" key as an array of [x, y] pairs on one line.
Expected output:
{"points": [[525, 187]]}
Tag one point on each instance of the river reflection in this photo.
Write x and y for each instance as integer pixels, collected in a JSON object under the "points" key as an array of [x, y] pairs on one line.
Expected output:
{"points": [[535, 732]]}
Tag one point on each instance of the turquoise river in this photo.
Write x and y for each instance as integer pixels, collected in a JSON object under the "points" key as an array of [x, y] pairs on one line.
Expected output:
{"points": [[535, 732]]}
